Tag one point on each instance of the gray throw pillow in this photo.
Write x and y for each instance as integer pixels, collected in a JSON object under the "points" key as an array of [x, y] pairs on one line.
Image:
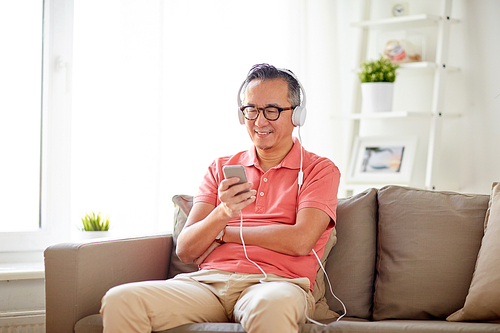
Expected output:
{"points": [[428, 243]]}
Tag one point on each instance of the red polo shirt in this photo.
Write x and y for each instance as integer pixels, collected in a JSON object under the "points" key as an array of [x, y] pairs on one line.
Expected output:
{"points": [[277, 202]]}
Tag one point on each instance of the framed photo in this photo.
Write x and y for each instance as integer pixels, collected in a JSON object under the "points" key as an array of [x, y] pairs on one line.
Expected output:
{"points": [[382, 160]]}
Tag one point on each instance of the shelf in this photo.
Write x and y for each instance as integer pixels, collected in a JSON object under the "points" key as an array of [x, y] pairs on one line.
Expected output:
{"points": [[420, 66], [359, 123], [423, 65], [392, 22], [390, 114], [397, 114]]}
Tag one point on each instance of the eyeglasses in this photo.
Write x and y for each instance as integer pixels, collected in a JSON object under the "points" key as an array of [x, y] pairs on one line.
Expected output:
{"points": [[271, 113]]}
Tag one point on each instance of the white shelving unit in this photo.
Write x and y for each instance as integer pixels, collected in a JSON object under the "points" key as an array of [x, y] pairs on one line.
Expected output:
{"points": [[439, 66]]}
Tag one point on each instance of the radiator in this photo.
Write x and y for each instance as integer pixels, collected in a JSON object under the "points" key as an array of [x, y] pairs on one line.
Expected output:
{"points": [[22, 322]]}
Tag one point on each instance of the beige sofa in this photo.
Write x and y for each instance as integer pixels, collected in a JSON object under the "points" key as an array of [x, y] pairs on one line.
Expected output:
{"points": [[403, 262]]}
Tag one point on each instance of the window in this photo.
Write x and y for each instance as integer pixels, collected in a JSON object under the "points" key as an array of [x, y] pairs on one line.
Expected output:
{"points": [[34, 123], [20, 114], [120, 131]]}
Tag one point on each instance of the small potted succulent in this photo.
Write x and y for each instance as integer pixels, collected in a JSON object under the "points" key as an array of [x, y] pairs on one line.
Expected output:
{"points": [[95, 226], [377, 84]]}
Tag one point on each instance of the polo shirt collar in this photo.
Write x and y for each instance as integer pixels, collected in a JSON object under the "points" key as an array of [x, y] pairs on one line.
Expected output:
{"points": [[291, 160]]}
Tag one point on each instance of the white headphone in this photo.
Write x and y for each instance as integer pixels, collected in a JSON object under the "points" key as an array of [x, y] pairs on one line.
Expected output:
{"points": [[298, 114]]}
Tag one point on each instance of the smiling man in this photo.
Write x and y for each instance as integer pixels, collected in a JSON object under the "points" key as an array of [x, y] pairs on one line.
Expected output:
{"points": [[271, 138], [256, 249]]}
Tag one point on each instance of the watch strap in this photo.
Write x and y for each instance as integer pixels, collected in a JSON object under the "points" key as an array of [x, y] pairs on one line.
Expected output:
{"points": [[220, 236]]}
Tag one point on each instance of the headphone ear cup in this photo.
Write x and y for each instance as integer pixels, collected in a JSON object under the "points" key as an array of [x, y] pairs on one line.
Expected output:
{"points": [[241, 117], [299, 116]]}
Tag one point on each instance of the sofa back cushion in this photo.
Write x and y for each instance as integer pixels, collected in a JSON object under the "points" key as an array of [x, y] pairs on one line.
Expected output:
{"points": [[351, 264], [183, 205], [428, 243], [483, 300]]}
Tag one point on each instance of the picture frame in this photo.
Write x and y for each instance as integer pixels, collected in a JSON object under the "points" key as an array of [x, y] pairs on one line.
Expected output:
{"points": [[382, 160]]}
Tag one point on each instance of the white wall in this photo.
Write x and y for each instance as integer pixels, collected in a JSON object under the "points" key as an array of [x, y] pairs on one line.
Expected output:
{"points": [[480, 135]]}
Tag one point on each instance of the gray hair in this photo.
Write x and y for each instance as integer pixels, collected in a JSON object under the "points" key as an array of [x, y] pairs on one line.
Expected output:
{"points": [[268, 72]]}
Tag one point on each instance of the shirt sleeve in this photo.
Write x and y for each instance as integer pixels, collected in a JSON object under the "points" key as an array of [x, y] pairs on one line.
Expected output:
{"points": [[320, 188], [208, 189]]}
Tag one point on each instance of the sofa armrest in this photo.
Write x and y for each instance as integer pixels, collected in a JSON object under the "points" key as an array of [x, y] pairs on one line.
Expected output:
{"points": [[77, 275]]}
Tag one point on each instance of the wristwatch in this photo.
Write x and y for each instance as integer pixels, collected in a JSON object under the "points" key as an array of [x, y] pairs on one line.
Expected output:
{"points": [[220, 236]]}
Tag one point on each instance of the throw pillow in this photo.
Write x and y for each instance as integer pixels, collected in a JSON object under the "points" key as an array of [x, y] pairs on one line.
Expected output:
{"points": [[183, 205], [322, 310], [483, 300], [351, 263], [427, 248]]}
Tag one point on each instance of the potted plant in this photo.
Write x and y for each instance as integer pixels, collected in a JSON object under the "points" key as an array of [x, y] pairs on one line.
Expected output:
{"points": [[95, 226], [377, 84]]}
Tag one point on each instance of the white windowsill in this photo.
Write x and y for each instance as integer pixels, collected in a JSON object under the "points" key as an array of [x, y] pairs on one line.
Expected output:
{"points": [[21, 271]]}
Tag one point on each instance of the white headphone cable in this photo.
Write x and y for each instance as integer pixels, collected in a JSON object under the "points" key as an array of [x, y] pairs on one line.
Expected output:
{"points": [[245, 250], [330, 286], [300, 177], [331, 290], [305, 295], [299, 181]]}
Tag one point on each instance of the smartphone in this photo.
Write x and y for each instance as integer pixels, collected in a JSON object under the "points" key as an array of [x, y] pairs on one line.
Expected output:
{"points": [[236, 171]]}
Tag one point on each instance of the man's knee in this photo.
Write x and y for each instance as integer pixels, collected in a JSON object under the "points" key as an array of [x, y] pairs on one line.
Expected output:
{"points": [[276, 298], [119, 297], [275, 306]]}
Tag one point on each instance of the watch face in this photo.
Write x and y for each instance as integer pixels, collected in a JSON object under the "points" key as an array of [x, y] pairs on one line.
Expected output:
{"points": [[398, 10]]}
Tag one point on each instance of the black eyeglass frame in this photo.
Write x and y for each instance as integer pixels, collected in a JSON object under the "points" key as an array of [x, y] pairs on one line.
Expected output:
{"points": [[264, 111]]}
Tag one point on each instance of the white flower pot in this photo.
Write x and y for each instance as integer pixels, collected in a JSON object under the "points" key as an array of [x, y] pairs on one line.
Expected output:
{"points": [[94, 234], [376, 96]]}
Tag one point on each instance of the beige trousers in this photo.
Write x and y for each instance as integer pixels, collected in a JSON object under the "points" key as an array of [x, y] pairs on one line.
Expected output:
{"points": [[275, 305]]}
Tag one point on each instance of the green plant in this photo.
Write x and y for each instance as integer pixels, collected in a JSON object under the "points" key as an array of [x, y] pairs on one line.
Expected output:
{"points": [[93, 222], [381, 70]]}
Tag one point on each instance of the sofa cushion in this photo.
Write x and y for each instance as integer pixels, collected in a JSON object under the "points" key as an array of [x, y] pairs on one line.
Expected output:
{"points": [[322, 310], [89, 324], [408, 326], [351, 263], [428, 243], [483, 301], [183, 205]]}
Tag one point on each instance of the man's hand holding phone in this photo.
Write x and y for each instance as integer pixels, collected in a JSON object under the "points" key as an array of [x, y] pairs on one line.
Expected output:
{"points": [[235, 191]]}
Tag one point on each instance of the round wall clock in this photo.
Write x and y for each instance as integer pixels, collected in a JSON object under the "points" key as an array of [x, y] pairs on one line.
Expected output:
{"points": [[399, 9]]}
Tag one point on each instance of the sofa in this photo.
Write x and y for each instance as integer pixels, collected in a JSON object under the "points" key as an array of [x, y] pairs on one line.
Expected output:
{"points": [[402, 259]]}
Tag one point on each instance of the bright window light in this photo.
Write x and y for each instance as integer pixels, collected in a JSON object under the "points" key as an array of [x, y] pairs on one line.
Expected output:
{"points": [[20, 114], [142, 70]]}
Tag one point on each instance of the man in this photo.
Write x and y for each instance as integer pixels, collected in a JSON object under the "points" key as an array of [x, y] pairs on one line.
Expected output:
{"points": [[256, 249]]}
